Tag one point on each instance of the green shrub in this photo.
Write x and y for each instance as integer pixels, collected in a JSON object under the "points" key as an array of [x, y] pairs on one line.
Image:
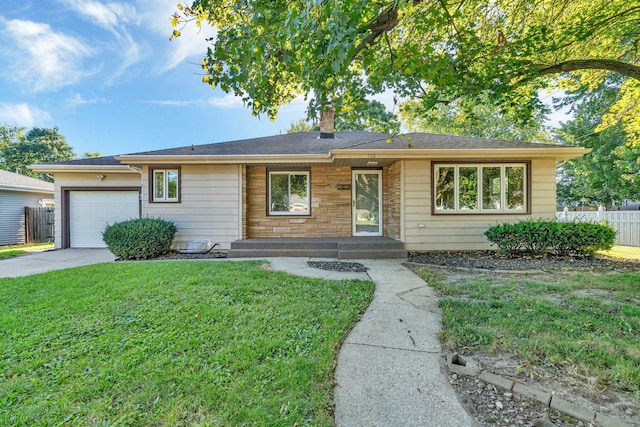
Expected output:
{"points": [[140, 238], [537, 236], [582, 238]]}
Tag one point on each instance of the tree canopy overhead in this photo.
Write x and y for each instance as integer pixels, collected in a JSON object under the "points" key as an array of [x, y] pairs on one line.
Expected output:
{"points": [[433, 50], [610, 173]]}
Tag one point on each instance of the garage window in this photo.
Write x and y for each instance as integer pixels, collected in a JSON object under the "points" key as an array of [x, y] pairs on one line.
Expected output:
{"points": [[165, 185]]}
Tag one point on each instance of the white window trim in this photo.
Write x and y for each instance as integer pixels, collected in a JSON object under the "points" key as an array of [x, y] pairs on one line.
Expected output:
{"points": [[289, 213], [479, 167], [165, 190]]}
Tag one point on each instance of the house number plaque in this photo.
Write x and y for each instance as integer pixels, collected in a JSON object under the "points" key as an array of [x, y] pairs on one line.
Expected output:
{"points": [[344, 186]]}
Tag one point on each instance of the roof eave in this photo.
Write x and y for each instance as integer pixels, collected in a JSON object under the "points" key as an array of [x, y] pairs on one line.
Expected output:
{"points": [[558, 153], [26, 189], [235, 159], [81, 168]]}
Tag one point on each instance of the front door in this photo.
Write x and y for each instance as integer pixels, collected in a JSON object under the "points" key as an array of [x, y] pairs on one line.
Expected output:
{"points": [[367, 202]]}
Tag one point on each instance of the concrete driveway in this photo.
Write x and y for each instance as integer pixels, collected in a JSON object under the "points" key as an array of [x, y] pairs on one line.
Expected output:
{"points": [[40, 262]]}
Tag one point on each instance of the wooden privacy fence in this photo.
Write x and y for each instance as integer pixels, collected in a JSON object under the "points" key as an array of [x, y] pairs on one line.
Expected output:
{"points": [[38, 224], [626, 223]]}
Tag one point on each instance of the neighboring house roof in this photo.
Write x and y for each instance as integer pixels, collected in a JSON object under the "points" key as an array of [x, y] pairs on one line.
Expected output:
{"points": [[94, 161], [308, 147], [90, 164], [16, 182]]}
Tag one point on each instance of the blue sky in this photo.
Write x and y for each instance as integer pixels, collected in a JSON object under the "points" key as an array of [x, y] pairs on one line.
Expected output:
{"points": [[106, 74]]}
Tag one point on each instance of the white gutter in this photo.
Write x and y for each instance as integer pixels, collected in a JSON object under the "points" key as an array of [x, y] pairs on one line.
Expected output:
{"points": [[26, 189], [487, 153], [139, 170], [81, 168], [236, 159]]}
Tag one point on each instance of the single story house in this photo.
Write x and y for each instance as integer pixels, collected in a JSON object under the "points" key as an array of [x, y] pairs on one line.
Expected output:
{"points": [[16, 192], [304, 193]]}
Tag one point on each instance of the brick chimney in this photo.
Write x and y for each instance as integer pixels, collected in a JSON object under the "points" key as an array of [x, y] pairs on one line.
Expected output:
{"points": [[327, 113]]}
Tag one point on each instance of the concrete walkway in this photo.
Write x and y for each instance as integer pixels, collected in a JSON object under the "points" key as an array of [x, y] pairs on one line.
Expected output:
{"points": [[40, 262], [390, 369]]}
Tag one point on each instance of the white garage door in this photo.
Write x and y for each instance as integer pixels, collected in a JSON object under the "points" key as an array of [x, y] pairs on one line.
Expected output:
{"points": [[91, 211]]}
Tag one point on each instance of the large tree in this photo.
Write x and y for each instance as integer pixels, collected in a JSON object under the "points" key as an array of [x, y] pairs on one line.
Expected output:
{"points": [[503, 51], [611, 172], [367, 115], [467, 117], [39, 145]]}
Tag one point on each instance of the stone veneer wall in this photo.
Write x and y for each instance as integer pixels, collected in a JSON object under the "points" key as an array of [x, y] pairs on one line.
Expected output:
{"points": [[330, 207], [392, 197]]}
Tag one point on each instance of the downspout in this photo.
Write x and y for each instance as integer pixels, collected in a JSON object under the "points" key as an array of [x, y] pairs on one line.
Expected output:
{"points": [[139, 170]]}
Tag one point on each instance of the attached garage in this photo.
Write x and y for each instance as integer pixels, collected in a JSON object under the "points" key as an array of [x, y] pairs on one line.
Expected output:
{"points": [[89, 211]]}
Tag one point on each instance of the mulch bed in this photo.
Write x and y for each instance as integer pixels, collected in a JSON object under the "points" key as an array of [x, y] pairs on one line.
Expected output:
{"points": [[483, 260], [492, 260], [345, 267]]}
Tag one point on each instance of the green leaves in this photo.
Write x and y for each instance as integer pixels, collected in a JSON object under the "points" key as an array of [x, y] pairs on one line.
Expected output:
{"points": [[436, 52], [38, 145], [610, 173]]}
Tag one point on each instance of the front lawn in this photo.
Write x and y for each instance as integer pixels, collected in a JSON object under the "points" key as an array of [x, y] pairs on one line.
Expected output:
{"points": [[585, 323], [172, 343], [16, 250], [622, 252]]}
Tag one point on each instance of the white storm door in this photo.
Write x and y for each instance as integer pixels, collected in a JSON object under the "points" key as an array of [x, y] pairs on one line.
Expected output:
{"points": [[367, 202]]}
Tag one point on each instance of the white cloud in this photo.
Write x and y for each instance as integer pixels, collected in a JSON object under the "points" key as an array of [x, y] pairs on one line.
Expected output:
{"points": [[41, 58], [226, 102], [78, 99], [191, 44], [114, 18], [22, 115], [177, 103], [106, 15]]}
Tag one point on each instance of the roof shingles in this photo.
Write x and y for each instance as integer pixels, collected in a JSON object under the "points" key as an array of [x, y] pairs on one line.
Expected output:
{"points": [[309, 143], [17, 181]]}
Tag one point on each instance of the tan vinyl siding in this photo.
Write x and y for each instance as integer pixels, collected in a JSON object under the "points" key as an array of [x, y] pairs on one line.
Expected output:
{"points": [[424, 231], [211, 199], [543, 188], [87, 180]]}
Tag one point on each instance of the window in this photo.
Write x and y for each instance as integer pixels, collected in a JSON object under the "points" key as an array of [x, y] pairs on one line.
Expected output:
{"points": [[165, 185], [480, 188], [289, 193]]}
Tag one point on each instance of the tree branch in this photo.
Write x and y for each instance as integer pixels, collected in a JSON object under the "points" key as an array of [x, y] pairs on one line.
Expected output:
{"points": [[383, 23], [619, 67]]}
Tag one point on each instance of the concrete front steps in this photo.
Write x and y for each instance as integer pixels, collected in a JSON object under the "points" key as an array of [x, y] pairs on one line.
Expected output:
{"points": [[341, 248]]}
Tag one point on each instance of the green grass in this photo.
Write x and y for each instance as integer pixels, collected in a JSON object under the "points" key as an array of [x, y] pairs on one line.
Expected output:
{"points": [[587, 323], [172, 343], [16, 250], [622, 252]]}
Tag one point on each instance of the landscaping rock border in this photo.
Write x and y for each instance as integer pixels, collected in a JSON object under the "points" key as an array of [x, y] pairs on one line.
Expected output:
{"points": [[464, 366]]}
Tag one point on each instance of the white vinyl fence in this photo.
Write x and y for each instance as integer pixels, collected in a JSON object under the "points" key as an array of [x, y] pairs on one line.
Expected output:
{"points": [[626, 223]]}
